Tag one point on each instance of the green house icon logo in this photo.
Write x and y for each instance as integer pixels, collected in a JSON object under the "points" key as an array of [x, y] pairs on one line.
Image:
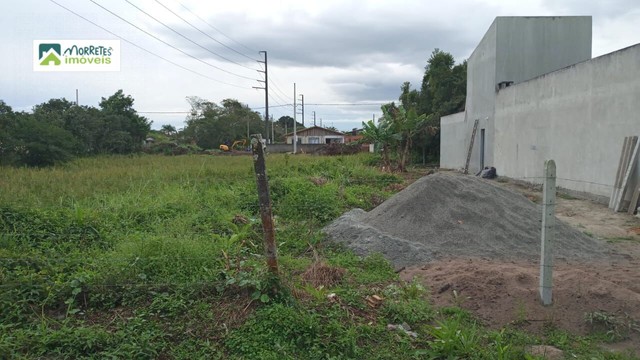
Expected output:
{"points": [[49, 54]]}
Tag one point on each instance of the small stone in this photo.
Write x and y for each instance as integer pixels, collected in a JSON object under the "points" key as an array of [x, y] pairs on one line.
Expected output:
{"points": [[545, 351]]}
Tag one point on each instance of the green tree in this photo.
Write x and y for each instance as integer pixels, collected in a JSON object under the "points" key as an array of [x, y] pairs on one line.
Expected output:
{"points": [[39, 143], [443, 85], [381, 136], [86, 124], [403, 123], [442, 92], [53, 111], [7, 125], [210, 125], [59, 129], [123, 130], [168, 130]]}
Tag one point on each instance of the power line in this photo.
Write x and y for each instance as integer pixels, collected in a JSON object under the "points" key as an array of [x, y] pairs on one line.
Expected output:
{"points": [[164, 112], [186, 38], [169, 112], [277, 93], [145, 50], [272, 81], [348, 104], [166, 43], [275, 85], [216, 29], [279, 104], [262, 107], [205, 34]]}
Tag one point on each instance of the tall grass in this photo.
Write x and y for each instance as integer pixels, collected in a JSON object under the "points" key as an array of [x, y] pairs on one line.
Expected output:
{"points": [[160, 257], [113, 223]]}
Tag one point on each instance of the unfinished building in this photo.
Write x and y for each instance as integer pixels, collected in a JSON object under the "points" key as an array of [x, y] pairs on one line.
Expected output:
{"points": [[537, 95]]}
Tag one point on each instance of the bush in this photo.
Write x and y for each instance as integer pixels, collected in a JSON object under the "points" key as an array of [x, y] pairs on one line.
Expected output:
{"points": [[340, 149]]}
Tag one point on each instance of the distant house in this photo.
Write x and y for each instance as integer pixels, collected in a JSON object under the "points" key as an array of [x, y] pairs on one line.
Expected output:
{"points": [[316, 135], [354, 136]]}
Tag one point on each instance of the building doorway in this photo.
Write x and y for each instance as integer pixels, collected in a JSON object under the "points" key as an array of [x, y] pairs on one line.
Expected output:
{"points": [[481, 149]]}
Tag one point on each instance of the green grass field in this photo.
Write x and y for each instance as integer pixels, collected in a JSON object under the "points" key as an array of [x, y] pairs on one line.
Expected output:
{"points": [[147, 257]]}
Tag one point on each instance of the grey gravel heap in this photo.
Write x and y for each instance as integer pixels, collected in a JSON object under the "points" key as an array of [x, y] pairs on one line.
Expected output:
{"points": [[448, 215]]}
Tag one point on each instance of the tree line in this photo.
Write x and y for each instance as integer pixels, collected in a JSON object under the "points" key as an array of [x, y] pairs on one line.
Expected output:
{"points": [[209, 125], [59, 130], [410, 130]]}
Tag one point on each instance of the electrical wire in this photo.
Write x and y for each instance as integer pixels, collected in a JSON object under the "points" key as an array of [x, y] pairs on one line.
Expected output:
{"points": [[272, 81], [346, 104], [284, 99], [185, 37], [207, 35], [166, 43], [278, 96], [145, 50], [216, 29]]}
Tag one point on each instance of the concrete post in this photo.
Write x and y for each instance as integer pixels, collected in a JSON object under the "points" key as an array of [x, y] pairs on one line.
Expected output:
{"points": [[548, 229]]}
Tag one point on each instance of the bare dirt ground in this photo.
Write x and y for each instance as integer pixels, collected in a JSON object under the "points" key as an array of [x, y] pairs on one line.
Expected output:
{"points": [[504, 293], [475, 243]]}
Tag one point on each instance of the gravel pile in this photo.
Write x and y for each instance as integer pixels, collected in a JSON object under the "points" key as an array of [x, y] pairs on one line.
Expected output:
{"points": [[450, 215]]}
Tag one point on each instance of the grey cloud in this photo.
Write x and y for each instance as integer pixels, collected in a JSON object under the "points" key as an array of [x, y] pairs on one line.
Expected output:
{"points": [[599, 9], [334, 40]]}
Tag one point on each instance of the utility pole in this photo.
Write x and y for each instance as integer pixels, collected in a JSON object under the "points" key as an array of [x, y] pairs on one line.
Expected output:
{"points": [[314, 118], [295, 112], [266, 94], [302, 103], [77, 103]]}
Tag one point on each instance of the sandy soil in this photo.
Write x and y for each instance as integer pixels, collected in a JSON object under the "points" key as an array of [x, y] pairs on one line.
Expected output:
{"points": [[474, 243], [504, 293]]}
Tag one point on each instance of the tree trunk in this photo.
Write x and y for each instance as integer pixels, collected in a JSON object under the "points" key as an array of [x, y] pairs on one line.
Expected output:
{"points": [[385, 156], [404, 154]]}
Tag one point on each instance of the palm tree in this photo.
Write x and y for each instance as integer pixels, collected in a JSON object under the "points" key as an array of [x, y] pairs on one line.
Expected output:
{"points": [[168, 130], [381, 136]]}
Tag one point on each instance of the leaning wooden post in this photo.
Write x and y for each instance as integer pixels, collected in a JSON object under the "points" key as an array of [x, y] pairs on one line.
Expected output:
{"points": [[270, 249], [548, 229]]}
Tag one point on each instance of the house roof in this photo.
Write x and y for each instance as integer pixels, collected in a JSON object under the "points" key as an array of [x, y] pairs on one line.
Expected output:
{"points": [[302, 131]]}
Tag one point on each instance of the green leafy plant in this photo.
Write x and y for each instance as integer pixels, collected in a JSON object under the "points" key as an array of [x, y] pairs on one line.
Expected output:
{"points": [[615, 327]]}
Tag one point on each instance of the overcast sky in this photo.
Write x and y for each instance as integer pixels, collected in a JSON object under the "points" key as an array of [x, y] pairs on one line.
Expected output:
{"points": [[335, 51]]}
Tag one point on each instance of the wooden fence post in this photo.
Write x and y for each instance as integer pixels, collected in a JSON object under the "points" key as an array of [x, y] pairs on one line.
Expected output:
{"points": [[270, 249], [548, 230]]}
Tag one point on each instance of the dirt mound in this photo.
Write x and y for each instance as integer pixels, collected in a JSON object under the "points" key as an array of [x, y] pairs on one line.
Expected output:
{"points": [[476, 245], [449, 215], [506, 293]]}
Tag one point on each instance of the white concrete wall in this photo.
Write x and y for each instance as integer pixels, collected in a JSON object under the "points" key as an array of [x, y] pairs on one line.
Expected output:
{"points": [[454, 142], [481, 82], [517, 49], [577, 116], [527, 47]]}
